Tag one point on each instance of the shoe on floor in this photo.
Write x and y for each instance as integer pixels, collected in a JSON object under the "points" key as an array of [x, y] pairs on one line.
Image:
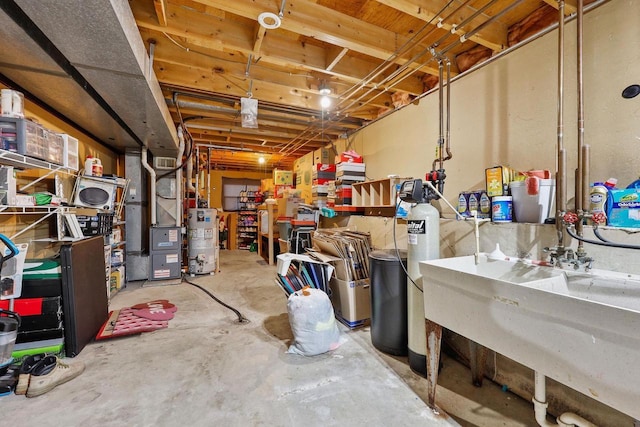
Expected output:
{"points": [[26, 368], [60, 374]]}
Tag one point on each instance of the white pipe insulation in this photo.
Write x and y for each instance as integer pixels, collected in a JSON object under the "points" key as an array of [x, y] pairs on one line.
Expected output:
{"points": [[152, 175], [568, 419], [179, 193]]}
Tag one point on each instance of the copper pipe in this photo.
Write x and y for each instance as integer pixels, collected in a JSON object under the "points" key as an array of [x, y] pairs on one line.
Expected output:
{"points": [[586, 165], [439, 158], [447, 135], [579, 184], [466, 36], [561, 178], [465, 22], [390, 62]]}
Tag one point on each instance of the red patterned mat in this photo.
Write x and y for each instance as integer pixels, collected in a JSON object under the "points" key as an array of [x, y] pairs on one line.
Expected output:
{"points": [[126, 322]]}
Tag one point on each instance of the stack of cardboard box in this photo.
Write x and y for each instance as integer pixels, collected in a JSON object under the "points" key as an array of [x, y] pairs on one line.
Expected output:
{"points": [[349, 170], [323, 175]]}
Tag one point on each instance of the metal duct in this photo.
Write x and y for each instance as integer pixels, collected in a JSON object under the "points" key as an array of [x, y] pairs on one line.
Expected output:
{"points": [[88, 61]]}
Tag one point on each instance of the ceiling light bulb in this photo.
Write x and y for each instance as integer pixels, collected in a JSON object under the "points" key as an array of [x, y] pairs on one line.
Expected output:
{"points": [[324, 90], [325, 102], [261, 160]]}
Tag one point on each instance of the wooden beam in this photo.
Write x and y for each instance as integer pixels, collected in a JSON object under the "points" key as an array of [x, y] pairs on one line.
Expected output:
{"points": [[323, 23], [570, 6], [195, 30], [161, 11], [493, 37], [178, 67], [334, 56], [260, 33]]}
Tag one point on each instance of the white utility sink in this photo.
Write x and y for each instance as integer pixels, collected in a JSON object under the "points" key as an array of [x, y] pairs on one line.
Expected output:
{"points": [[581, 329]]}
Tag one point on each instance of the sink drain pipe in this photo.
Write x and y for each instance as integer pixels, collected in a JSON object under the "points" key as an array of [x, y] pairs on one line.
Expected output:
{"points": [[568, 419]]}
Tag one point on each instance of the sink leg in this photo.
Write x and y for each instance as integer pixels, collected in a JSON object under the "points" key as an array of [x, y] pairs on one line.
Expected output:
{"points": [[434, 338], [477, 360]]}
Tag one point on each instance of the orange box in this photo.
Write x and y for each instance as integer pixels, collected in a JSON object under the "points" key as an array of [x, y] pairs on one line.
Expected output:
{"points": [[494, 181]]}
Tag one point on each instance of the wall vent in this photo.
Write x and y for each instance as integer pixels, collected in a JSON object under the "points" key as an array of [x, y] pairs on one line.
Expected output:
{"points": [[164, 163]]}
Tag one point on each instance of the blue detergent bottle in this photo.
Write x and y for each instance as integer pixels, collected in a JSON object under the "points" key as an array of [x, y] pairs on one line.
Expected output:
{"points": [[635, 184]]}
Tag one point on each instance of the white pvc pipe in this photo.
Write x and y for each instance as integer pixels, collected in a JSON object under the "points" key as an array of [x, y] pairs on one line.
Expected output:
{"points": [[152, 175], [568, 419], [189, 175], [179, 193]]}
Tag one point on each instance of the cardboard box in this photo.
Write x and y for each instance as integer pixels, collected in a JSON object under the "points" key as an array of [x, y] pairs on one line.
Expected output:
{"points": [[324, 167], [266, 185], [282, 177], [351, 301], [350, 157], [280, 190], [324, 156], [288, 207]]}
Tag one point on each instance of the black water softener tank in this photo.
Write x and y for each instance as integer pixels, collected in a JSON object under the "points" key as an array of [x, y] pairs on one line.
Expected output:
{"points": [[388, 301]]}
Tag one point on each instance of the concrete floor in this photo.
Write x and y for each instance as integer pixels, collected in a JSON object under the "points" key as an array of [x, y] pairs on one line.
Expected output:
{"points": [[207, 369]]}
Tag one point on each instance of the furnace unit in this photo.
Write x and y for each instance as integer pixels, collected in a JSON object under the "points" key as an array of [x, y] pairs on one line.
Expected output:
{"points": [[165, 253]]}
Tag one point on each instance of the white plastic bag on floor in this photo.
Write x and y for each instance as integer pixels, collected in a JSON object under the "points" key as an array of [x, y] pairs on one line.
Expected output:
{"points": [[313, 324]]}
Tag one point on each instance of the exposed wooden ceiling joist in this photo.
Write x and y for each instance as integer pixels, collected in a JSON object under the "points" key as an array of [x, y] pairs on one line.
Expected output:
{"points": [[208, 54], [321, 23]]}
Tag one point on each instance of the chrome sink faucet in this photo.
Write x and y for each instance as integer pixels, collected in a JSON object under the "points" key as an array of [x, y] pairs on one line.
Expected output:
{"points": [[561, 256]]}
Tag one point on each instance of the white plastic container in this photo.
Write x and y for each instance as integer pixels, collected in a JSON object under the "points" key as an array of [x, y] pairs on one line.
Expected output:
{"points": [[502, 209], [11, 103], [533, 208], [92, 166], [88, 165], [8, 333]]}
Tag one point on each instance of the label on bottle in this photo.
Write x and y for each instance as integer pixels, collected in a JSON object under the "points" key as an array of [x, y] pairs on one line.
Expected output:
{"points": [[462, 203], [597, 199]]}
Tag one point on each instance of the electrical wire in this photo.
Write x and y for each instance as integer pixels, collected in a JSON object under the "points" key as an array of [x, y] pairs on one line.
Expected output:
{"points": [[241, 318], [188, 139]]}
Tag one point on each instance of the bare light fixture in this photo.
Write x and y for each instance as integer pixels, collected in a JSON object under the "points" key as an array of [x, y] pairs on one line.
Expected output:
{"points": [[324, 89], [269, 20], [325, 102], [261, 160]]}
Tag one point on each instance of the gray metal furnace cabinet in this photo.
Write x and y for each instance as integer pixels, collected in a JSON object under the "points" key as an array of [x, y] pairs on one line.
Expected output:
{"points": [[165, 253]]}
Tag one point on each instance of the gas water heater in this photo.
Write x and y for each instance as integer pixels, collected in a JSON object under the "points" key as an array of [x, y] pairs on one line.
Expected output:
{"points": [[423, 243], [202, 241]]}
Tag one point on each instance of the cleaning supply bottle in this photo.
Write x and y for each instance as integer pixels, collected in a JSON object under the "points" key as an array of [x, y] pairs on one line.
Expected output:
{"points": [[635, 184], [611, 183], [88, 165], [598, 198]]}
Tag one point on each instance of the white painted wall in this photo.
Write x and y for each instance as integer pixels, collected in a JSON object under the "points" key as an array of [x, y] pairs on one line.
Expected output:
{"points": [[506, 112]]}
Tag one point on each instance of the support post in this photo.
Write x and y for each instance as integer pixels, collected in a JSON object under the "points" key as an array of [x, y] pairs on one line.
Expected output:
{"points": [[434, 338]]}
